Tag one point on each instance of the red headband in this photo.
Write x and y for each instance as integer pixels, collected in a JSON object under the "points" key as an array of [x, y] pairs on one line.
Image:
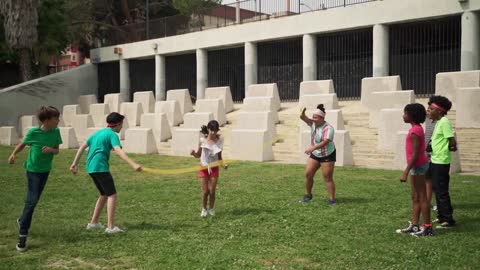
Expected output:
{"points": [[438, 107], [114, 125]]}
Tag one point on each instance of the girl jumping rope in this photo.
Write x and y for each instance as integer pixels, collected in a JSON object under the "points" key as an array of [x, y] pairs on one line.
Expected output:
{"points": [[210, 153]]}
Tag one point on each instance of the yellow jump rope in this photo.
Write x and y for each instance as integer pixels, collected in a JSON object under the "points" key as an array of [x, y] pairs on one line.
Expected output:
{"points": [[213, 164]]}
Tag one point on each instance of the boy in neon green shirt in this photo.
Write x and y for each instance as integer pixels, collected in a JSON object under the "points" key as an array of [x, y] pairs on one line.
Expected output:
{"points": [[43, 141], [443, 141]]}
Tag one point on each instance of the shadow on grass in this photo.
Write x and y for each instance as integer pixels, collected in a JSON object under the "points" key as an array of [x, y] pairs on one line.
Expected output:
{"points": [[154, 227], [250, 211], [354, 200]]}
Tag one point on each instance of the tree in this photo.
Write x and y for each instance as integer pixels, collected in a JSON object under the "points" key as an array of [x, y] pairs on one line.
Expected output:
{"points": [[20, 20], [52, 31]]}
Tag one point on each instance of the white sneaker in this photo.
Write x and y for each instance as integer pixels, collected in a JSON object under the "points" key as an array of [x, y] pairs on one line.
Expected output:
{"points": [[114, 230], [93, 226], [204, 212], [211, 212]]}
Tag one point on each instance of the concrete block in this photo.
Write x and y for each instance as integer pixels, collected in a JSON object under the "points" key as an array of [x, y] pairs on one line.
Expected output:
{"points": [[222, 93], [114, 101], [258, 121], [183, 98], [98, 113], [172, 110], [311, 102], [81, 123], [378, 84], [265, 90], [196, 119], [62, 122], [69, 111], [140, 141], [85, 101], [124, 129], [316, 87], [132, 112], [400, 159], [184, 140], [387, 100], [343, 145], [448, 83], [146, 100], [214, 106], [455, 164], [391, 122], [260, 104], [249, 144], [8, 136], [69, 138], [25, 122], [159, 124], [468, 108]]}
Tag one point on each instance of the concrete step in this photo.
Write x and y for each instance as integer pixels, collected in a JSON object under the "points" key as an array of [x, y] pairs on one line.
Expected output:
{"points": [[373, 163]]}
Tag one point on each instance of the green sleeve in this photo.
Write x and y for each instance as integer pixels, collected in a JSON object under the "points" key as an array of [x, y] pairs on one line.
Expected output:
{"points": [[28, 137], [115, 141]]}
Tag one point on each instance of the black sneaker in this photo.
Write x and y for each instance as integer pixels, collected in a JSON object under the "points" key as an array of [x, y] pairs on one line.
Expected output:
{"points": [[445, 225], [22, 243], [332, 202], [306, 199], [424, 231], [411, 228]]}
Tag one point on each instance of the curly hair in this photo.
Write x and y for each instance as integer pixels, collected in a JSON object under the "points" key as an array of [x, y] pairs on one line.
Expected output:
{"points": [[416, 112], [441, 101]]}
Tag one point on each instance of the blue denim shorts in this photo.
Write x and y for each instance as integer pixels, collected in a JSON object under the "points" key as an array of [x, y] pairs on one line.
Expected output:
{"points": [[420, 170]]}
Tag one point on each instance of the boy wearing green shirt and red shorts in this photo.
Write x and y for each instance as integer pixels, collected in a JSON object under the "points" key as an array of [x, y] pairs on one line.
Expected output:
{"points": [[43, 141]]}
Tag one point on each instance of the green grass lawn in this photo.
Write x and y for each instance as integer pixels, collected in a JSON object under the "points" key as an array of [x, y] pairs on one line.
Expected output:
{"points": [[259, 223]]}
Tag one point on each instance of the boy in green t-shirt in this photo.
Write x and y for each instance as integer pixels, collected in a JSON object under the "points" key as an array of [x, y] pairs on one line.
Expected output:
{"points": [[100, 145], [443, 141], [43, 141]]}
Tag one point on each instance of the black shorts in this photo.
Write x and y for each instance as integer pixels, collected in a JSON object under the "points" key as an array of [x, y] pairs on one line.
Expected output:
{"points": [[330, 158], [104, 183]]}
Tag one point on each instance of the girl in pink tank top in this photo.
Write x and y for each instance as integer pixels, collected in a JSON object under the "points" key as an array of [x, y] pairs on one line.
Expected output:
{"points": [[417, 165]]}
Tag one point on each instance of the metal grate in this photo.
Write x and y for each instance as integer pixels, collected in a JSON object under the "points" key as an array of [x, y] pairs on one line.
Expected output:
{"points": [[181, 72], [142, 76], [420, 50], [346, 58], [227, 68], [108, 79], [281, 62]]}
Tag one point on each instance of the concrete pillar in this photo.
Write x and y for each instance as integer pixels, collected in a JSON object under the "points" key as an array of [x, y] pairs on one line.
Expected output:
{"points": [[309, 57], [380, 51], [470, 57], [160, 75], [237, 12], [125, 79], [202, 72], [250, 64]]}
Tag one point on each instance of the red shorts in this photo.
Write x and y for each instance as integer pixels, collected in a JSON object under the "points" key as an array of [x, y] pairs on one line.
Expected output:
{"points": [[204, 173]]}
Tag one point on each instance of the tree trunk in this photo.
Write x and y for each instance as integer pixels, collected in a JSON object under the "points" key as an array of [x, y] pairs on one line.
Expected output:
{"points": [[25, 64]]}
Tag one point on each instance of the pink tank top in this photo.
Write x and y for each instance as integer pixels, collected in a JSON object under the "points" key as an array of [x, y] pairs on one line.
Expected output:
{"points": [[422, 157]]}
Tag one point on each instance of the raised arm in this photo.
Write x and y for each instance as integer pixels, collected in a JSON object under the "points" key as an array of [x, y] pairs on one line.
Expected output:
{"points": [[124, 156], [304, 117]]}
